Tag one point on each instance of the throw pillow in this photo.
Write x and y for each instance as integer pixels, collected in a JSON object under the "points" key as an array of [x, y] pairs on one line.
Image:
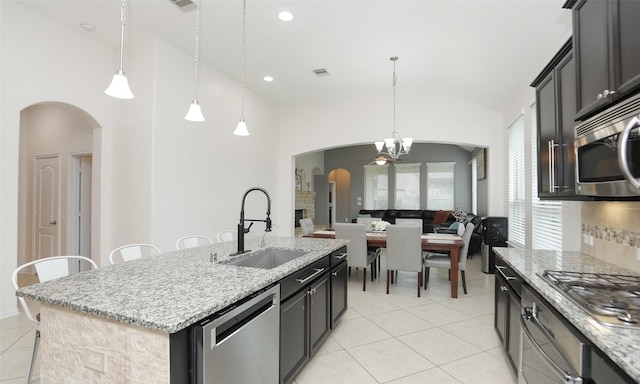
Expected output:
{"points": [[368, 215], [441, 217], [459, 214], [454, 226]]}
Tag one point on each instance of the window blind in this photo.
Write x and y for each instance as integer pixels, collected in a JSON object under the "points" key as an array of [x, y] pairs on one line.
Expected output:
{"points": [[546, 214], [407, 186], [440, 185], [517, 182], [376, 186]]}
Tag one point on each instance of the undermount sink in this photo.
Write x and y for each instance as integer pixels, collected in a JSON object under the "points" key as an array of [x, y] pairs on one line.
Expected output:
{"points": [[268, 258]]}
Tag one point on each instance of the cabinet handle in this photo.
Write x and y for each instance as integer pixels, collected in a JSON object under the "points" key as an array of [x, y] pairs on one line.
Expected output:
{"points": [[342, 256], [500, 268], [311, 276], [608, 93], [552, 166], [334, 273], [503, 288], [599, 96], [622, 152]]}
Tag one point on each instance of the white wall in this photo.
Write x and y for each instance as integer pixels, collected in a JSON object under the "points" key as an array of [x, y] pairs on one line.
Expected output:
{"points": [[428, 116], [160, 176]]}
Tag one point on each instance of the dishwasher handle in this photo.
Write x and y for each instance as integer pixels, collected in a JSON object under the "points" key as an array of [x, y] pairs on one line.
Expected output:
{"points": [[236, 319]]}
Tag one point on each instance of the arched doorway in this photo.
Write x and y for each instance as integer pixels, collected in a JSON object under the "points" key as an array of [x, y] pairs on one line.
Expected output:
{"points": [[58, 180], [339, 204]]}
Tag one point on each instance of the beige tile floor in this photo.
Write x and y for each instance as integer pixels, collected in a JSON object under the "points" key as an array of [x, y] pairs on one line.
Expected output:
{"points": [[396, 338]]}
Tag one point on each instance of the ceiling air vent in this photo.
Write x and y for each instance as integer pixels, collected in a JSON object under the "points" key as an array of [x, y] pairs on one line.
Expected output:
{"points": [[182, 3], [321, 72]]}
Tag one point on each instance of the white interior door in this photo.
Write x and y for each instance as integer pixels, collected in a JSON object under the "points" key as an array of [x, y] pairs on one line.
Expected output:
{"points": [[79, 238], [332, 203], [46, 207]]}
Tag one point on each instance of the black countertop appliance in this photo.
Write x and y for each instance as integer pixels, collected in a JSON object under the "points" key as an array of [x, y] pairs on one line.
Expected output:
{"points": [[494, 234]]}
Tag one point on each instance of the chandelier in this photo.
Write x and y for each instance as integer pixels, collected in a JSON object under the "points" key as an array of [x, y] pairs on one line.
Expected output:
{"points": [[395, 145]]}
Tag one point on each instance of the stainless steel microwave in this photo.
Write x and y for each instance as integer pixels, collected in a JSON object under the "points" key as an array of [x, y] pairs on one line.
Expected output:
{"points": [[608, 152]]}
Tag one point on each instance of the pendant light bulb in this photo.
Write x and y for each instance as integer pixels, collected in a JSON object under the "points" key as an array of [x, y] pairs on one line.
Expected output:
{"points": [[119, 87], [194, 113], [241, 129]]}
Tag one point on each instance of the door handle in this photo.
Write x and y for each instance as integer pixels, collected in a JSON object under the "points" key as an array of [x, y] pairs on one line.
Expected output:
{"points": [[53, 222], [622, 152]]}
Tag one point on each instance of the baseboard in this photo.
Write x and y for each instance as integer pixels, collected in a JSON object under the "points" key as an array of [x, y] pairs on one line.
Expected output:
{"points": [[9, 313]]}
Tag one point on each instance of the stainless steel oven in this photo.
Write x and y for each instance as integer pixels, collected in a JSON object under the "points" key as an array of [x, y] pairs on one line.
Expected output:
{"points": [[552, 350], [608, 152]]}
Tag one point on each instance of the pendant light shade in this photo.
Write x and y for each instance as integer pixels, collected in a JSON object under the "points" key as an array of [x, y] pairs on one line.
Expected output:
{"points": [[241, 128], [119, 87], [195, 112]]}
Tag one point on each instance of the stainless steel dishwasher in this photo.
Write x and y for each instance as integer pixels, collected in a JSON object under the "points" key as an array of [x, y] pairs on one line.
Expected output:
{"points": [[241, 344]]}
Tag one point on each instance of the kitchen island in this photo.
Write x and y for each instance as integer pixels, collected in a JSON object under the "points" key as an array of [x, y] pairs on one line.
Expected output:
{"points": [[114, 324], [619, 344]]}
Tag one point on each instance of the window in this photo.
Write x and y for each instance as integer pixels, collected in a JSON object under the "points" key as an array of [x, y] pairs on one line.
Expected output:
{"points": [[376, 186], [546, 229], [407, 186], [517, 182], [440, 185]]}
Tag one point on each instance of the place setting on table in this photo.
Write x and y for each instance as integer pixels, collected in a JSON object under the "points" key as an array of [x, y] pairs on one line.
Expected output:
{"points": [[377, 237]]}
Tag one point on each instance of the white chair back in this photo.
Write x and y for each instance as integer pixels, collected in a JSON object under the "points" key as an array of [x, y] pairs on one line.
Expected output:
{"points": [[51, 268], [367, 221], [410, 222], [306, 225], [404, 248], [132, 252], [357, 246], [466, 237], [192, 241], [226, 235]]}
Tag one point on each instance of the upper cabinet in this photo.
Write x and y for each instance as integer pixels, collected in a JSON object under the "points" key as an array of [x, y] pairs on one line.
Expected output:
{"points": [[556, 110], [607, 59]]}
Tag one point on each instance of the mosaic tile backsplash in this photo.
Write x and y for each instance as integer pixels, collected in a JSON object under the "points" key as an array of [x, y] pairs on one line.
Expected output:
{"points": [[614, 230]]}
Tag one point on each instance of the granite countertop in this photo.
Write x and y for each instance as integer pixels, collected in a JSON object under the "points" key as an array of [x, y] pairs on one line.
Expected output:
{"points": [[170, 291], [620, 344]]}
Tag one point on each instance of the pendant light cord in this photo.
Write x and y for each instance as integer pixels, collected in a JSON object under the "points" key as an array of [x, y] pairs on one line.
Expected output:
{"points": [[197, 54], [123, 11], [393, 84], [244, 21]]}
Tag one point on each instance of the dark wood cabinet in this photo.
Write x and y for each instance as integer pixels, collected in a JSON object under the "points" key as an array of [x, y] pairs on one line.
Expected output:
{"points": [[338, 292], [507, 311], [606, 41], [305, 316], [555, 113]]}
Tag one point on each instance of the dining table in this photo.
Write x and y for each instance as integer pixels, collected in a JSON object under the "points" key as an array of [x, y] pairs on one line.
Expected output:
{"points": [[430, 242]]}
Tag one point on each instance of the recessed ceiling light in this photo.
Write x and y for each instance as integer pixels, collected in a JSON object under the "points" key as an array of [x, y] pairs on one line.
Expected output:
{"points": [[268, 78], [87, 27], [285, 16]]}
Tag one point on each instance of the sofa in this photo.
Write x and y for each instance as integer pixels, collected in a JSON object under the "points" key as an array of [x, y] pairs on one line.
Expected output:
{"points": [[432, 221]]}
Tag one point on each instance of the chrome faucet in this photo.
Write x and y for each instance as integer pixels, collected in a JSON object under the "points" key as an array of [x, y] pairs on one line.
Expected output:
{"points": [[241, 229]]}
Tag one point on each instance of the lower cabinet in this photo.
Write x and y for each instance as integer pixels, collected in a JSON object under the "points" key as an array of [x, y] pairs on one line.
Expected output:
{"points": [[304, 324], [507, 312], [338, 292]]}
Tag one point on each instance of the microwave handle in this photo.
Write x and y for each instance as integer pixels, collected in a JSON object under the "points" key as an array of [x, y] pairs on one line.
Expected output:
{"points": [[622, 152]]}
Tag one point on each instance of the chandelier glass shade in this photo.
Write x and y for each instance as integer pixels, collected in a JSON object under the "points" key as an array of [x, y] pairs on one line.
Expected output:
{"points": [[119, 87], [394, 146], [195, 112]]}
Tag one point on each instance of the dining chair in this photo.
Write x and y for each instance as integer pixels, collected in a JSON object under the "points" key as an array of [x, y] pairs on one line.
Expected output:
{"points": [[439, 260], [306, 225], [132, 252], [404, 251], [192, 241], [409, 222], [49, 268], [226, 235], [357, 253]]}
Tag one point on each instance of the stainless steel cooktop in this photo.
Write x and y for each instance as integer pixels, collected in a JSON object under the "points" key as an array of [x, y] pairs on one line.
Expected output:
{"points": [[611, 299]]}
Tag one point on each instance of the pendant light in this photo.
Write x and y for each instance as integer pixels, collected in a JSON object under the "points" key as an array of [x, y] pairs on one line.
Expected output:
{"points": [[195, 113], [119, 87], [241, 128], [396, 146]]}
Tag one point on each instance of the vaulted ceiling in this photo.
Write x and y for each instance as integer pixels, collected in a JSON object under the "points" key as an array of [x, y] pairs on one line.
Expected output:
{"points": [[485, 51]]}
